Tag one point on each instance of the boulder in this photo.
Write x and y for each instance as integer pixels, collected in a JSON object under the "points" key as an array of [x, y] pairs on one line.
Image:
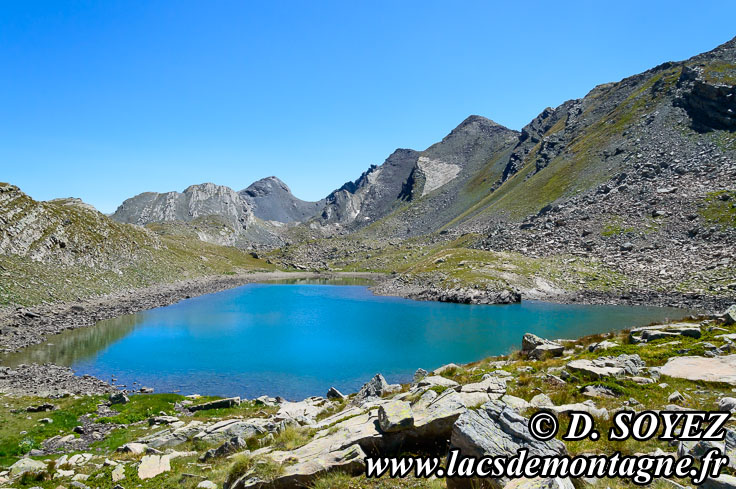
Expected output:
{"points": [[436, 381], [715, 369], [603, 345], [395, 416], [541, 400], [491, 385], [26, 465], [588, 367], [206, 485], [301, 471], [304, 412], [233, 445], [676, 397], [537, 348], [118, 398], [376, 387], [434, 414], [516, 403], [231, 428], [727, 404], [729, 316], [445, 368], [118, 473], [608, 366], [162, 420], [496, 430], [420, 374], [172, 437], [584, 407], [153, 465], [598, 391], [650, 333], [333, 393], [133, 448], [218, 404]]}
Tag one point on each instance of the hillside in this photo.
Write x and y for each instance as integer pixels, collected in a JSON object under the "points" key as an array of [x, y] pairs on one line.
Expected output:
{"points": [[634, 181], [64, 250]]}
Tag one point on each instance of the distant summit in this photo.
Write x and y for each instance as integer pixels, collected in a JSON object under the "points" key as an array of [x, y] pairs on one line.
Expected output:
{"points": [[272, 200]]}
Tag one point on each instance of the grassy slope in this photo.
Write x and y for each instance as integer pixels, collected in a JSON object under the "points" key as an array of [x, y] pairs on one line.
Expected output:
{"points": [[78, 252]]}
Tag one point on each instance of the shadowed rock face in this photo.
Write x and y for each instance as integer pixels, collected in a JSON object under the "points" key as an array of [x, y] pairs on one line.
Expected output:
{"points": [[434, 175], [272, 200]]}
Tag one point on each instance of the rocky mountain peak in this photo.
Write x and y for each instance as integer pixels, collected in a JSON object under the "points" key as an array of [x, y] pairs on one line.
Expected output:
{"points": [[475, 125], [265, 186], [272, 200]]}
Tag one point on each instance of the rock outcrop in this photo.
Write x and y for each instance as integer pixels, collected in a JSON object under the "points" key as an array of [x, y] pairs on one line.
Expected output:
{"points": [[496, 430], [271, 199]]}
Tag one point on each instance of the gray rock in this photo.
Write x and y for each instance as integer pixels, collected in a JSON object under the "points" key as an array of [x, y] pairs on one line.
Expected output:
{"points": [[599, 391], [496, 430], [723, 482], [333, 393], [420, 374], [676, 397], [651, 333], [26, 465], [376, 387], [437, 381], [218, 404], [537, 348], [233, 445], [727, 404], [729, 315], [717, 369], [119, 398], [541, 400], [153, 465], [395, 416]]}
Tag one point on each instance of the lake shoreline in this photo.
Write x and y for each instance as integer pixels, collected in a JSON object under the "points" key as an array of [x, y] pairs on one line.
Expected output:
{"points": [[24, 327], [21, 327]]}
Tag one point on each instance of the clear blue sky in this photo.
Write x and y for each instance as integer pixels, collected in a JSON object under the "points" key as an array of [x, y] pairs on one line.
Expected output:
{"points": [[103, 100]]}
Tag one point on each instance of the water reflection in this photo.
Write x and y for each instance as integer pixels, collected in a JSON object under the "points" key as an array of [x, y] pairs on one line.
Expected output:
{"points": [[76, 345]]}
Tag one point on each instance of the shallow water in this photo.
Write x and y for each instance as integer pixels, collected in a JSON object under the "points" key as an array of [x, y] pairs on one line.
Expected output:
{"points": [[298, 339]]}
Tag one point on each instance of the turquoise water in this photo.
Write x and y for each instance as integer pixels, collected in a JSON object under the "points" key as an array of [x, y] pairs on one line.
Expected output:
{"points": [[298, 340]]}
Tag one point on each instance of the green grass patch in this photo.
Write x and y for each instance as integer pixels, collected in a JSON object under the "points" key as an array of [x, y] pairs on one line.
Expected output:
{"points": [[141, 407]]}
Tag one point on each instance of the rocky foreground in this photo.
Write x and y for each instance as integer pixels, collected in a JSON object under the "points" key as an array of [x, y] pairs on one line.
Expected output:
{"points": [[120, 439]]}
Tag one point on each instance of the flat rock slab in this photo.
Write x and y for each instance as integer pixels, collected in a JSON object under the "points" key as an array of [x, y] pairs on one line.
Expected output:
{"points": [[588, 367], [716, 369], [436, 381], [153, 465]]}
